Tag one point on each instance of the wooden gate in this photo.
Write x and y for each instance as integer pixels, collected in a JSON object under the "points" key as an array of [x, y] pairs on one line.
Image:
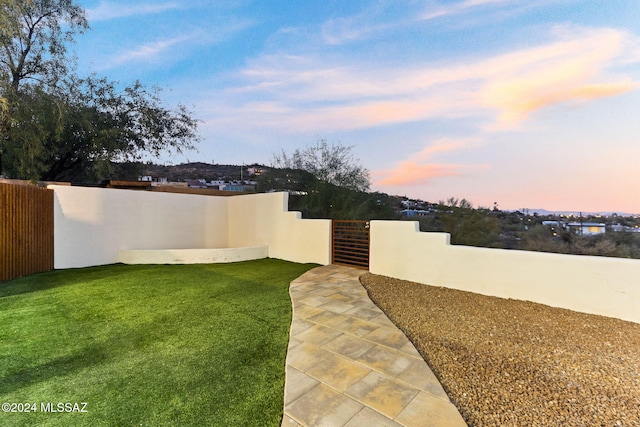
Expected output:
{"points": [[26, 230], [350, 243]]}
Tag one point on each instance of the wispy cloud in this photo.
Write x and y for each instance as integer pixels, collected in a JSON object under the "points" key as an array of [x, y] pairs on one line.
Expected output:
{"points": [[345, 30], [420, 169], [149, 51], [382, 17], [376, 17], [318, 95], [410, 172], [107, 10], [436, 10], [166, 49], [570, 70]]}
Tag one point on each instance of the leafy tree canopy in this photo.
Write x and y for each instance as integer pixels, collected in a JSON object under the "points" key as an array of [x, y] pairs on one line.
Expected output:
{"points": [[334, 164], [34, 38], [326, 181], [56, 125]]}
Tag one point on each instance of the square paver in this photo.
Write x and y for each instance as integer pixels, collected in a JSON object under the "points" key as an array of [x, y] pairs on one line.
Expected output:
{"points": [[370, 418], [336, 306], [382, 320], [314, 300], [338, 372], [297, 384], [300, 325], [318, 335], [420, 375], [349, 346], [383, 394], [389, 336], [365, 313], [356, 326], [386, 360], [303, 311], [410, 349], [429, 411], [326, 292], [287, 421], [293, 342], [306, 356], [323, 406], [328, 318], [362, 301], [341, 296]]}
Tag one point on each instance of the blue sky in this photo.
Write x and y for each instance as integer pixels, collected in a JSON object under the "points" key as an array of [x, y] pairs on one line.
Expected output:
{"points": [[530, 104]]}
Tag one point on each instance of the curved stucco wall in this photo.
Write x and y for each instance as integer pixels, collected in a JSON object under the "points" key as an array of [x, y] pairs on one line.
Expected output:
{"points": [[596, 285], [93, 224]]}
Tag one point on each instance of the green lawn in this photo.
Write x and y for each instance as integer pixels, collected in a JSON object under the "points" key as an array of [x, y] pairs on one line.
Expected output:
{"points": [[148, 345]]}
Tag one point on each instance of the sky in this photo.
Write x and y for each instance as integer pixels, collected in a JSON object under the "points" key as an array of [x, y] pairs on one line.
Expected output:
{"points": [[527, 104]]}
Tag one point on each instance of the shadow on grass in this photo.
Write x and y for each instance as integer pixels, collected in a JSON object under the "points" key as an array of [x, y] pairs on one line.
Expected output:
{"points": [[58, 367], [58, 278]]}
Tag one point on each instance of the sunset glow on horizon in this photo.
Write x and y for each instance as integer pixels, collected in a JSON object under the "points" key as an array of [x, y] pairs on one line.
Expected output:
{"points": [[524, 104]]}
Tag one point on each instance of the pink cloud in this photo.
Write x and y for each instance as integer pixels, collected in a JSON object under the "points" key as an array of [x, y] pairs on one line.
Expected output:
{"points": [[566, 71], [419, 169], [446, 145], [412, 173]]}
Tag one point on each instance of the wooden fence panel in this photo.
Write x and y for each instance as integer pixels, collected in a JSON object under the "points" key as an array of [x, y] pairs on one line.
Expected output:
{"points": [[26, 230]]}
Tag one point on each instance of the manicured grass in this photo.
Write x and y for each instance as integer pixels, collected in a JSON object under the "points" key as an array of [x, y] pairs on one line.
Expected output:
{"points": [[148, 345]]}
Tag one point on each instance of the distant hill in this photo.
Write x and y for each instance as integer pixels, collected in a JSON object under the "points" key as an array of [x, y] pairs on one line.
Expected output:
{"points": [[198, 170]]}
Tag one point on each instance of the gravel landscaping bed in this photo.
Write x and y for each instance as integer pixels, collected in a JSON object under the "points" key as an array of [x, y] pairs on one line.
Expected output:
{"points": [[515, 363]]}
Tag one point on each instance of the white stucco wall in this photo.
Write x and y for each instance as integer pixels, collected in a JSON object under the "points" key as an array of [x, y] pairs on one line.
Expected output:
{"points": [[93, 224], [596, 285], [262, 219]]}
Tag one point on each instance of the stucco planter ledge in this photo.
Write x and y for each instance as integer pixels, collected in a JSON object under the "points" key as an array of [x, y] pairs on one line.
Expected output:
{"points": [[192, 256]]}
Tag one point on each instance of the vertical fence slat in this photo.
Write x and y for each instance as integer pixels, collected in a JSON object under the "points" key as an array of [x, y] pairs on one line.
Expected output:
{"points": [[26, 230]]}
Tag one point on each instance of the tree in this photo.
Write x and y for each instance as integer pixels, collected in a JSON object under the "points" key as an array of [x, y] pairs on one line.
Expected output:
{"points": [[34, 37], [295, 181], [325, 181], [58, 126], [334, 164]]}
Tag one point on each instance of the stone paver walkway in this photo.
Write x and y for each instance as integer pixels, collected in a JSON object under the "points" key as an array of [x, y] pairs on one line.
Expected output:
{"points": [[348, 365]]}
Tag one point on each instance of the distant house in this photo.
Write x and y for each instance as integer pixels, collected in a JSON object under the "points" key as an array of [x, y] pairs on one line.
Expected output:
{"points": [[238, 186], [587, 228], [255, 170], [625, 228], [149, 178], [196, 183], [218, 183], [414, 212]]}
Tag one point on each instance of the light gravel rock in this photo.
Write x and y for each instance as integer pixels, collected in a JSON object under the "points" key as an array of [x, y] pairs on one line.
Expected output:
{"points": [[515, 363]]}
